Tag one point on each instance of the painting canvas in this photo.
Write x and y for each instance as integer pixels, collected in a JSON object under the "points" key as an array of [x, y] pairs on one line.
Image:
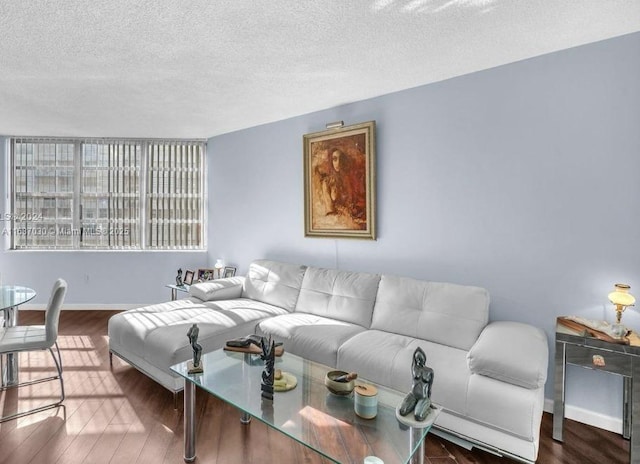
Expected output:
{"points": [[339, 182]]}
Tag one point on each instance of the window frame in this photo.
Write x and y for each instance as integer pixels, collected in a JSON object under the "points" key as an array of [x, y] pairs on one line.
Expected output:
{"points": [[199, 147]]}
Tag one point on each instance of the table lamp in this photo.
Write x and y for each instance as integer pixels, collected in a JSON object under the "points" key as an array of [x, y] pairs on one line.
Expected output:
{"points": [[621, 297], [218, 267]]}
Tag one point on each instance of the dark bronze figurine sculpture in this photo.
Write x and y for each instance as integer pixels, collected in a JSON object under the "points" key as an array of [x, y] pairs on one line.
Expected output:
{"points": [[418, 399], [179, 281], [269, 357], [195, 366]]}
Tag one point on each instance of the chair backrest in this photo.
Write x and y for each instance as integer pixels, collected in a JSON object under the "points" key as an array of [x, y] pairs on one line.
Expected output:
{"points": [[54, 306]]}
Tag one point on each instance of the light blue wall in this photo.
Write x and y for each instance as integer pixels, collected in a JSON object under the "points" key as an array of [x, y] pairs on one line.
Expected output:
{"points": [[524, 179], [112, 279]]}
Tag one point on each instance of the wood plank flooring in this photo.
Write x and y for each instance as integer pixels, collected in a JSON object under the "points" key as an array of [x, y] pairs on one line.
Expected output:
{"points": [[120, 416]]}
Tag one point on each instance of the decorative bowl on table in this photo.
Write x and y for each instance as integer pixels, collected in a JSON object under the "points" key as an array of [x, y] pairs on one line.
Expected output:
{"points": [[340, 382]]}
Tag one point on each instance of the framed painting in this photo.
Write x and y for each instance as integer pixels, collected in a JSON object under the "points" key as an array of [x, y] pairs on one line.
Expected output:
{"points": [[340, 182]]}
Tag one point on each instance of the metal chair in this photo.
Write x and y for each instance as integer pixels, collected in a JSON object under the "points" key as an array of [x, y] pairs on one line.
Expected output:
{"points": [[37, 337]]}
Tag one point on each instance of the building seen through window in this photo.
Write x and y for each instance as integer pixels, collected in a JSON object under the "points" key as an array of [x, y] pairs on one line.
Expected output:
{"points": [[106, 194]]}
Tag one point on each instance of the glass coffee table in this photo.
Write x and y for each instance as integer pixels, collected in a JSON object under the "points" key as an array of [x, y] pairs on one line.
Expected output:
{"points": [[308, 413]]}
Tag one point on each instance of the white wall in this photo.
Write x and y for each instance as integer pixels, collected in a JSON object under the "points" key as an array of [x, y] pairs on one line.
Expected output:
{"points": [[522, 179]]}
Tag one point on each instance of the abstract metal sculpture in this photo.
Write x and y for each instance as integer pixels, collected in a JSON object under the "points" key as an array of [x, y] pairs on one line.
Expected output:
{"points": [[418, 399]]}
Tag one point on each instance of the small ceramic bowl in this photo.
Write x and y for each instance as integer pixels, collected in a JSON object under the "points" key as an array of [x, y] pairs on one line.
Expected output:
{"points": [[338, 388]]}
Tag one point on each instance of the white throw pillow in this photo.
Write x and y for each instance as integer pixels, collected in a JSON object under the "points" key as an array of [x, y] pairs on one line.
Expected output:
{"points": [[220, 289], [512, 352]]}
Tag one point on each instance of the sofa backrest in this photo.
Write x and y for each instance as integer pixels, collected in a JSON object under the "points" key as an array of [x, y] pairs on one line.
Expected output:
{"points": [[444, 313], [274, 283], [342, 295]]}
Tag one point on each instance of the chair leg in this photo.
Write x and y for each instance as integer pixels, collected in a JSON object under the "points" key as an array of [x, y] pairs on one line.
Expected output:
{"points": [[58, 363]]}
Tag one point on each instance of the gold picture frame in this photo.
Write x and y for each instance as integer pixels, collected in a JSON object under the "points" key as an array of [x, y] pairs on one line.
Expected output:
{"points": [[340, 182]]}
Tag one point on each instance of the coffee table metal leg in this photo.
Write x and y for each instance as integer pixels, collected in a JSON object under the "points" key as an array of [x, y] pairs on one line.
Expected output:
{"points": [[189, 421], [244, 417], [418, 456]]}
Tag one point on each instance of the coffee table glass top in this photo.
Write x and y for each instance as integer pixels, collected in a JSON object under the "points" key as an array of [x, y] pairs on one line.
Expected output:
{"points": [[309, 413]]}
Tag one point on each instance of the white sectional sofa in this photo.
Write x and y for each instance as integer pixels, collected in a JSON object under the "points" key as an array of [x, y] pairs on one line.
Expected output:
{"points": [[489, 377]]}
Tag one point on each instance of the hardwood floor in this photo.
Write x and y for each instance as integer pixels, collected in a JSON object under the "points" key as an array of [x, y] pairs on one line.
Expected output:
{"points": [[120, 416]]}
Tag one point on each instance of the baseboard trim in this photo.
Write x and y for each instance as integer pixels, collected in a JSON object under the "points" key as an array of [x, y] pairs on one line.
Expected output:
{"points": [[85, 307], [584, 416]]}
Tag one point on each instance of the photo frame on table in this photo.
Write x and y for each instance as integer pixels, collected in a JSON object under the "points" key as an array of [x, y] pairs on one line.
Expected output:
{"points": [[340, 182], [205, 274], [229, 271], [188, 277]]}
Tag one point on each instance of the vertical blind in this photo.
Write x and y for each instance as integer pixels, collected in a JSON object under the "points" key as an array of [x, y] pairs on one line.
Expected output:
{"points": [[174, 195], [110, 194], [43, 193], [107, 194]]}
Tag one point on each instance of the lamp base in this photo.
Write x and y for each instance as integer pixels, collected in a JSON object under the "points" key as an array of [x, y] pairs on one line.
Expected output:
{"points": [[619, 330]]}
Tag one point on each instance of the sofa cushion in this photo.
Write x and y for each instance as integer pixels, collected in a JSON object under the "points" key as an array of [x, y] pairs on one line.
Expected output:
{"points": [[158, 333], [313, 337], [274, 283], [445, 313], [512, 352], [342, 295], [220, 289], [386, 358]]}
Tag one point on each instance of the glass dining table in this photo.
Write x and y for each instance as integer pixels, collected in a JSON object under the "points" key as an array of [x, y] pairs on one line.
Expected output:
{"points": [[11, 296]]}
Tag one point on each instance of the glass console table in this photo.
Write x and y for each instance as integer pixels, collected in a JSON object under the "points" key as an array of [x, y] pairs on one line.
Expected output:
{"points": [[308, 413], [177, 288]]}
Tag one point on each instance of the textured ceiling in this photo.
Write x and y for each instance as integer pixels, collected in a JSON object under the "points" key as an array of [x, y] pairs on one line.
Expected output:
{"points": [[198, 68]]}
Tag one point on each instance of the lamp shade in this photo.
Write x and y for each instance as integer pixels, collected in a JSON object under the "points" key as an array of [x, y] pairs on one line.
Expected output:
{"points": [[219, 264], [621, 296]]}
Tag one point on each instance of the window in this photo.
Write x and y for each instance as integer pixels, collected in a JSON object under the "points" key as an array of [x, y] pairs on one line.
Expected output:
{"points": [[93, 194], [174, 195]]}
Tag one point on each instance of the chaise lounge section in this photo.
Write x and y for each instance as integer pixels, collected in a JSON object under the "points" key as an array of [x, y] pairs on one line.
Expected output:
{"points": [[489, 377]]}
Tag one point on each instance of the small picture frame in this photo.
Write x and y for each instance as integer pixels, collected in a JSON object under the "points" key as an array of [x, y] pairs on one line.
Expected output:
{"points": [[188, 277], [205, 275], [229, 271]]}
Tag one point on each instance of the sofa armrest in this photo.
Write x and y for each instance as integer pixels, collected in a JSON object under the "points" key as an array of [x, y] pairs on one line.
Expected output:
{"points": [[219, 289], [512, 352]]}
